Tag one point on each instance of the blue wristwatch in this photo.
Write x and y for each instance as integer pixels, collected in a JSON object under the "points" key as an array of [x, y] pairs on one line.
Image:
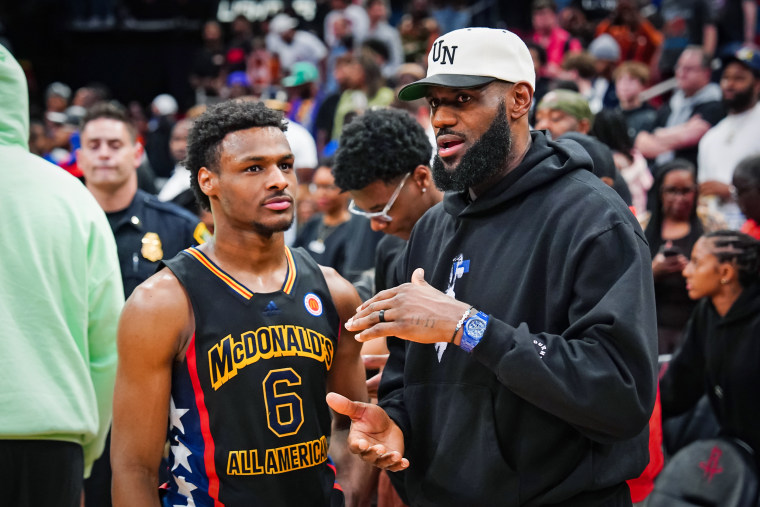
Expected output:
{"points": [[473, 331]]}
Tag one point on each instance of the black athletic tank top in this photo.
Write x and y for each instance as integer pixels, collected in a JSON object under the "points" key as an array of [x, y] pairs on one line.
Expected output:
{"points": [[249, 425]]}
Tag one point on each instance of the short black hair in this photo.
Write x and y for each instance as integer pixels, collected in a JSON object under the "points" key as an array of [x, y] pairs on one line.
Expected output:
{"points": [[210, 128], [110, 111], [381, 144], [749, 167], [379, 47], [611, 129]]}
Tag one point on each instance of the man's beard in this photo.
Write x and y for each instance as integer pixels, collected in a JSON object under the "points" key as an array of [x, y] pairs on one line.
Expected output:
{"points": [[486, 158], [741, 101]]}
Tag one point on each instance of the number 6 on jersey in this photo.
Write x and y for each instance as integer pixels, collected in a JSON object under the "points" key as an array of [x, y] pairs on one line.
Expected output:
{"points": [[284, 409]]}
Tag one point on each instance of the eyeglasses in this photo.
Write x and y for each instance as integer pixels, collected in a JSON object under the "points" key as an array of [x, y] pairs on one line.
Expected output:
{"points": [[678, 190], [379, 215]]}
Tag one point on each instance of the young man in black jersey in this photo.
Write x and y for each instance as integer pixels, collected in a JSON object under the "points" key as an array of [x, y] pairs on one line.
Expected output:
{"points": [[235, 342]]}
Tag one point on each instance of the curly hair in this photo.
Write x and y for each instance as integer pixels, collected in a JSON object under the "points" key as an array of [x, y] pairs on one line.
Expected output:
{"points": [[740, 249], [382, 144], [211, 127]]}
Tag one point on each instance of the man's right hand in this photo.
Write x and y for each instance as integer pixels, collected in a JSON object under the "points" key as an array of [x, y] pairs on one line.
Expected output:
{"points": [[373, 435]]}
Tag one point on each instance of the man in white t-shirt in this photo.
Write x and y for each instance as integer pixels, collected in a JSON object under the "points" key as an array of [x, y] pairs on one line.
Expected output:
{"points": [[734, 137], [291, 45]]}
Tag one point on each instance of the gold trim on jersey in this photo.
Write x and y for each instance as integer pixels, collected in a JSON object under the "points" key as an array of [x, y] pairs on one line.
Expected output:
{"points": [[287, 286]]}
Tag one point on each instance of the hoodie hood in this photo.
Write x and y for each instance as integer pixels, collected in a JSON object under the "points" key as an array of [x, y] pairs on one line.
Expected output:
{"points": [[747, 305], [14, 103], [545, 162]]}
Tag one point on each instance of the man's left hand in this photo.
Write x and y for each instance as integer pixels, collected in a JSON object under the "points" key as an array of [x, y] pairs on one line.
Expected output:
{"points": [[413, 311]]}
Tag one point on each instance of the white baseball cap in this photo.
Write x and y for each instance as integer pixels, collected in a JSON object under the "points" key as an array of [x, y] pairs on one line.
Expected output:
{"points": [[281, 23], [472, 57]]}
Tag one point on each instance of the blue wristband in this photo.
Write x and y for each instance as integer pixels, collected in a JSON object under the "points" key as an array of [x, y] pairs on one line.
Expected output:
{"points": [[473, 330]]}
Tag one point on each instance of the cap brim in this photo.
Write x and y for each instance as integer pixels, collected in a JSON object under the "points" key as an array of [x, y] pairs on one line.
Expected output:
{"points": [[291, 81], [418, 89]]}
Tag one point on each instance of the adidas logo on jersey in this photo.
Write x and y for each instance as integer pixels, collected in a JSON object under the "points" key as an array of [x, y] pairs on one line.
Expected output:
{"points": [[271, 309]]}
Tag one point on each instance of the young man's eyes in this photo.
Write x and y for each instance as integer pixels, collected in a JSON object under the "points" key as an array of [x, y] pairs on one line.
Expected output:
{"points": [[283, 166]]}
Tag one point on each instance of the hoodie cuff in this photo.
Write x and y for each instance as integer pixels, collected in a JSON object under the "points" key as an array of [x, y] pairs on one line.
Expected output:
{"points": [[497, 341]]}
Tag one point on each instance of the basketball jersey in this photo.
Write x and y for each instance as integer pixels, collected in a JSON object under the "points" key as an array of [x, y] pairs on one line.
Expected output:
{"points": [[248, 421]]}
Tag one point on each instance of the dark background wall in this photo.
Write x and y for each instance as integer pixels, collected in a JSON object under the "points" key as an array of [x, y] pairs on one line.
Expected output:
{"points": [[145, 48], [141, 48]]}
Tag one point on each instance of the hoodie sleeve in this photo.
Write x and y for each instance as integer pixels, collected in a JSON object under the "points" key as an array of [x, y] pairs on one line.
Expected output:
{"points": [[106, 298], [599, 374]]}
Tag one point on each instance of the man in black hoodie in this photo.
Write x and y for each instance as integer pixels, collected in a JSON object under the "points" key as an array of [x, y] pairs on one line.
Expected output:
{"points": [[527, 370]]}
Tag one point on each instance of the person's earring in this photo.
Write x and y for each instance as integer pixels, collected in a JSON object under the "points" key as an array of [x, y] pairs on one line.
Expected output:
{"points": [[424, 189], [723, 281]]}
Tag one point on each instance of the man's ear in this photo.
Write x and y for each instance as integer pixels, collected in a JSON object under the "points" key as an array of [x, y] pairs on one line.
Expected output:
{"points": [[522, 97], [584, 126], [207, 180], [139, 150], [422, 176]]}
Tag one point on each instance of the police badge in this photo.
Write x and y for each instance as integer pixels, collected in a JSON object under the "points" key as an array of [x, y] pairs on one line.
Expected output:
{"points": [[151, 247]]}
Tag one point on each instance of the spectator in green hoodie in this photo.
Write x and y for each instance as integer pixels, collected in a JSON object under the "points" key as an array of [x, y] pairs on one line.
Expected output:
{"points": [[60, 298]]}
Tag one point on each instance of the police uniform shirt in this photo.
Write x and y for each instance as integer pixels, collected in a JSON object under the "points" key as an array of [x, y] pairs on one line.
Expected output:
{"points": [[147, 232]]}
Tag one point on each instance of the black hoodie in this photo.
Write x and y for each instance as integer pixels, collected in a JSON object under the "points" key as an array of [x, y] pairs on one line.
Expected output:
{"points": [[720, 357], [551, 407]]}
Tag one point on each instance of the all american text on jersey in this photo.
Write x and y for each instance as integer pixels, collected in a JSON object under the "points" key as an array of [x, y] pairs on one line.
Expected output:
{"points": [[278, 460]]}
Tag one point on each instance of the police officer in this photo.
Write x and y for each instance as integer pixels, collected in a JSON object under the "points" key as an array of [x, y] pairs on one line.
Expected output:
{"points": [[146, 229]]}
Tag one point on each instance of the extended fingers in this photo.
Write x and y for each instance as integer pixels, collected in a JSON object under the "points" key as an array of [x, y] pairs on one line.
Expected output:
{"points": [[380, 457]]}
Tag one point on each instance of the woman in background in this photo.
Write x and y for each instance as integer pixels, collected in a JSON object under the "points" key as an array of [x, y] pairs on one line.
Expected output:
{"points": [[671, 232], [721, 351]]}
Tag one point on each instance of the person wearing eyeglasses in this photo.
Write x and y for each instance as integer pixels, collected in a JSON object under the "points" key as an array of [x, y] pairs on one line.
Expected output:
{"points": [[672, 230], [383, 162], [335, 237]]}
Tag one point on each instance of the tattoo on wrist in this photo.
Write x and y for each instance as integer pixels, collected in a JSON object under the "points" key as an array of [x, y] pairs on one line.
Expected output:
{"points": [[424, 322]]}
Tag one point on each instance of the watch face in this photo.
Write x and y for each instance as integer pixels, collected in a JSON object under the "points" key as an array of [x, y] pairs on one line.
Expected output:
{"points": [[475, 327]]}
